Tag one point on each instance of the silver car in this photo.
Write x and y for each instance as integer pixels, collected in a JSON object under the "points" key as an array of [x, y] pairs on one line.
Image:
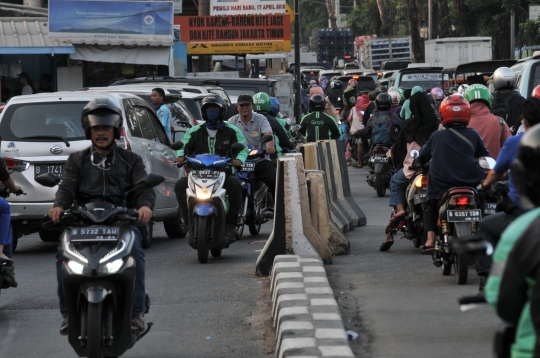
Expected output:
{"points": [[44, 129]]}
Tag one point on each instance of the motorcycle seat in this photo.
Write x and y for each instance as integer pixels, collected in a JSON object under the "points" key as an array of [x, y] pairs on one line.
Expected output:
{"points": [[457, 190]]}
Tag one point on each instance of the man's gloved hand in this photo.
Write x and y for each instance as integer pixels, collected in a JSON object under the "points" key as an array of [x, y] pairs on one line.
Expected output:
{"points": [[145, 214], [55, 214], [237, 163], [416, 164]]}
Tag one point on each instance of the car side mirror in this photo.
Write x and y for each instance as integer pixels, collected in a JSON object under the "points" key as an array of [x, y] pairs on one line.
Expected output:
{"points": [[415, 153], [177, 145], [267, 138], [48, 180], [486, 163]]}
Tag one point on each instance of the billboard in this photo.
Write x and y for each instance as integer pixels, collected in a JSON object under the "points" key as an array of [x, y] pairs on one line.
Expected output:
{"points": [[111, 22], [213, 35], [247, 7]]}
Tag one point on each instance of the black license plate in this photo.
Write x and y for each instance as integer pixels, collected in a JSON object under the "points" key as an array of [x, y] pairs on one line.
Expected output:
{"points": [[489, 208], [464, 215], [419, 197], [206, 173], [55, 169], [248, 167], [94, 234], [378, 159]]}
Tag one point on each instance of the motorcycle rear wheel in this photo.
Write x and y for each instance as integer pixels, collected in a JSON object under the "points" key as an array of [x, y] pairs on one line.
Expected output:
{"points": [[446, 269], [94, 330], [380, 184], [461, 267], [202, 225]]}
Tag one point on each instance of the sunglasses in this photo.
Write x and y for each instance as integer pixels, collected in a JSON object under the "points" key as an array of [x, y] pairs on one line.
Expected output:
{"points": [[245, 104]]}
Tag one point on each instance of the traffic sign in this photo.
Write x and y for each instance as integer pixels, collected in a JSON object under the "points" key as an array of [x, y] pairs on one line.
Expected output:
{"points": [[290, 11]]}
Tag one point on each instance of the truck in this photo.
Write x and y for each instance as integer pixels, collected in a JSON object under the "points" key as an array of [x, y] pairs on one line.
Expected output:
{"points": [[372, 51], [456, 50], [330, 43]]}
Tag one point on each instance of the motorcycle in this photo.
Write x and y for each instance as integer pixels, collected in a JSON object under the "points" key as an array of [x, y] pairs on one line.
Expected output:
{"points": [[412, 224], [207, 201], [256, 198], [98, 273], [382, 169], [459, 215]]}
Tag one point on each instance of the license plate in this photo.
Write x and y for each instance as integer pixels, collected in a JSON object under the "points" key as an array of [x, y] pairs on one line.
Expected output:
{"points": [[464, 215], [489, 208], [206, 174], [55, 169], [248, 167], [94, 234], [378, 159], [419, 197]]}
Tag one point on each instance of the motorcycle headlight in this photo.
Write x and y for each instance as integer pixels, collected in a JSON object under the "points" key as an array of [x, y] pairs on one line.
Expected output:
{"points": [[76, 267], [204, 193], [113, 266]]}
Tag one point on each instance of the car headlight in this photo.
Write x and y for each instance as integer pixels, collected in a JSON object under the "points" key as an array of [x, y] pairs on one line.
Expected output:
{"points": [[113, 266], [204, 193], [76, 267]]}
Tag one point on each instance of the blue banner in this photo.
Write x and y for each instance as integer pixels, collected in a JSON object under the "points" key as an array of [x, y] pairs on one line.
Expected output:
{"points": [[112, 22]]}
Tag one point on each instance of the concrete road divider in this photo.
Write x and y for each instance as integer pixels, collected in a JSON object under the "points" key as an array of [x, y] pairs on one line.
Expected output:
{"points": [[293, 231], [320, 215], [338, 215], [305, 313]]}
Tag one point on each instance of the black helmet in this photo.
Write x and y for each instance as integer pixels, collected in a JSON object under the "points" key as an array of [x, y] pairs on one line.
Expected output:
{"points": [[383, 102], [317, 103], [101, 112], [338, 84], [525, 170], [383, 89], [214, 100]]}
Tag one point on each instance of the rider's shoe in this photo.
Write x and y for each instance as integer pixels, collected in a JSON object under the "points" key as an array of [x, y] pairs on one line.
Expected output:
{"points": [[229, 233]]}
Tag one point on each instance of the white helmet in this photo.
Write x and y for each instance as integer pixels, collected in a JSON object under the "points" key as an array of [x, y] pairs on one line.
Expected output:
{"points": [[504, 77], [461, 89]]}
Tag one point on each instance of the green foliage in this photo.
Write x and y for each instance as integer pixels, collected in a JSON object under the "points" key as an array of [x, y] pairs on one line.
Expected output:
{"points": [[364, 19]]}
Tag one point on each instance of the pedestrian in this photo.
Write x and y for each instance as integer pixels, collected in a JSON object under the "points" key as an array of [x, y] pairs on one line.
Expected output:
{"points": [[157, 96], [46, 81], [26, 84]]}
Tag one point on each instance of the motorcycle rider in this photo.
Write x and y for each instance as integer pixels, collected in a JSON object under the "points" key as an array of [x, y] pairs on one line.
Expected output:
{"points": [[157, 96], [414, 133], [255, 126], [349, 98], [453, 154], [263, 106], [513, 286], [103, 173], [274, 111], [318, 125], [335, 95], [214, 136], [5, 214], [383, 112], [438, 95], [506, 102], [491, 227], [493, 130]]}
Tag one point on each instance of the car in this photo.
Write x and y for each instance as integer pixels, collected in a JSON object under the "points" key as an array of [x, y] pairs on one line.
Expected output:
{"points": [[392, 65], [527, 71], [311, 72], [477, 72], [362, 72], [326, 75], [364, 84], [41, 131], [425, 77], [237, 86]]}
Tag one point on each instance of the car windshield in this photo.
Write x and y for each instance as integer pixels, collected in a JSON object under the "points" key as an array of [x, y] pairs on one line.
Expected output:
{"points": [[235, 92], [178, 110], [61, 119], [220, 93], [425, 80]]}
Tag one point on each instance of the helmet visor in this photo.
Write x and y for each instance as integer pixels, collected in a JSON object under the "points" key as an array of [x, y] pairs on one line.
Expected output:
{"points": [[109, 119]]}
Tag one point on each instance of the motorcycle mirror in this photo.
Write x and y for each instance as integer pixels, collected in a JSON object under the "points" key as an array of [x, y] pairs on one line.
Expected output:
{"points": [[474, 246], [237, 147], [487, 163], [20, 166], [295, 128], [48, 180], [267, 138], [149, 181], [177, 145], [415, 153]]}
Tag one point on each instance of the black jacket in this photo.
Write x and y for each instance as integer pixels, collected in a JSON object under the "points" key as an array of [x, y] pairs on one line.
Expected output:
{"points": [[84, 183], [280, 133], [335, 97], [515, 103], [4, 174], [319, 126]]}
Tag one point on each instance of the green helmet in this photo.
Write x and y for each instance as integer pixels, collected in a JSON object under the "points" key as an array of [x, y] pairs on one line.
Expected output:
{"points": [[401, 92], [261, 102], [475, 93]]}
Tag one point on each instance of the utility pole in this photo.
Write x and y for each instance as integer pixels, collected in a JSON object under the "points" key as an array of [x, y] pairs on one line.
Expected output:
{"points": [[430, 25], [298, 95], [204, 60], [512, 34]]}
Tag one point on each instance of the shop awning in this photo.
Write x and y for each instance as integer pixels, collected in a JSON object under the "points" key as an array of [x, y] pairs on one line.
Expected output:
{"points": [[29, 35], [139, 55]]}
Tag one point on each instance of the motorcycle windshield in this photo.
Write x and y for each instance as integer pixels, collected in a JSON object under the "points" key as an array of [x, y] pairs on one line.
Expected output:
{"points": [[208, 160]]}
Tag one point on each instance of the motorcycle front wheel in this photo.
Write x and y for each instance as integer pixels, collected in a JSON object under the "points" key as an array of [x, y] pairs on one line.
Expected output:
{"points": [[202, 225], [461, 267], [380, 184], [94, 330]]}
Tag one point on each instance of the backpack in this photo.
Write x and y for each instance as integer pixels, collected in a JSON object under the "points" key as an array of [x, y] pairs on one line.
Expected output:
{"points": [[382, 124], [501, 108]]}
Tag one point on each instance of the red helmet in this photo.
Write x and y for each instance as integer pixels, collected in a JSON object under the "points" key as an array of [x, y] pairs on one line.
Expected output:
{"points": [[455, 109], [352, 83], [536, 92]]}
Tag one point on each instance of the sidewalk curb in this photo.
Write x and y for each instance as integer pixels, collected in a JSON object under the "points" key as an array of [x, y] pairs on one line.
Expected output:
{"points": [[305, 313]]}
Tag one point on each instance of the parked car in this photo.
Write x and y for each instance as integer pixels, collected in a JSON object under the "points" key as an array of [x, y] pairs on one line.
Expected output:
{"points": [[43, 129], [392, 65], [237, 86]]}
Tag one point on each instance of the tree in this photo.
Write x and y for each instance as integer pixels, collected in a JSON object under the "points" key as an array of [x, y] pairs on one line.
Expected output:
{"points": [[385, 20], [364, 19], [416, 46]]}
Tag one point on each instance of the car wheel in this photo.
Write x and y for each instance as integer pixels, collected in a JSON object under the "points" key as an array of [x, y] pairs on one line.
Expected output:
{"points": [[175, 227]]}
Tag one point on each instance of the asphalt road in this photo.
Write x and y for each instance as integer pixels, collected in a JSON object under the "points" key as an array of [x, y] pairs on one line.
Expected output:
{"points": [[398, 301], [209, 310]]}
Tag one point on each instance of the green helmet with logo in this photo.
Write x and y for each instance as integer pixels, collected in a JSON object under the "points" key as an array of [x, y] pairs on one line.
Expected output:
{"points": [[476, 93], [401, 92], [261, 102]]}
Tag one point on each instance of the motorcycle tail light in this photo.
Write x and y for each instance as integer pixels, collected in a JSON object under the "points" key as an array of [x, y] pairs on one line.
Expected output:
{"points": [[420, 181], [338, 111], [380, 150], [461, 201], [123, 141]]}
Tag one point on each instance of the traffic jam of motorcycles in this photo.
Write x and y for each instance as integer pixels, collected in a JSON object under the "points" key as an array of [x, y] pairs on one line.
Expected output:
{"points": [[104, 178]]}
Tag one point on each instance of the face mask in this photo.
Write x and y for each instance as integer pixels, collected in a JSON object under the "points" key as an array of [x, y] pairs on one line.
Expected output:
{"points": [[212, 118]]}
